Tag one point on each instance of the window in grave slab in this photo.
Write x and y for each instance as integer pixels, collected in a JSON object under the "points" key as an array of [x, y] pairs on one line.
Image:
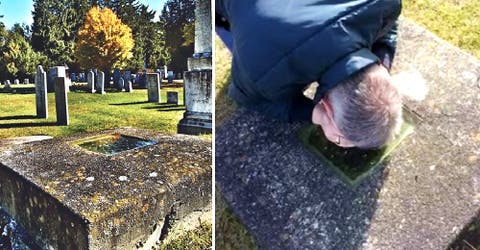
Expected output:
{"points": [[112, 144], [353, 164]]}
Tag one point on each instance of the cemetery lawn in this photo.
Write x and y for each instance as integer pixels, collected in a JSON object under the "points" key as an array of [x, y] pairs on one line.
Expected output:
{"points": [[88, 112], [457, 21]]}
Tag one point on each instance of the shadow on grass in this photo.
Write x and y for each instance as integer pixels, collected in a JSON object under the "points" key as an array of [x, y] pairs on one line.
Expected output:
{"points": [[18, 91], [26, 125], [164, 107], [17, 117], [128, 103]]}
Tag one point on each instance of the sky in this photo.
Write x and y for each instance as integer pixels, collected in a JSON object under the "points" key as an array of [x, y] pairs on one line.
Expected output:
{"points": [[20, 11]]}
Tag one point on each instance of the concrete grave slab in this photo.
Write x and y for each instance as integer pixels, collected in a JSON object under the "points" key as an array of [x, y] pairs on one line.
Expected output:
{"points": [[70, 198], [422, 198]]}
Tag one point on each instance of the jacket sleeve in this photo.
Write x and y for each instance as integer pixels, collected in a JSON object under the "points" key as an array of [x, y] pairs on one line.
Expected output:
{"points": [[385, 46]]}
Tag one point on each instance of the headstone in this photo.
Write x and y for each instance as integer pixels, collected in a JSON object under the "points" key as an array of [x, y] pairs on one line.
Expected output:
{"points": [[73, 77], [127, 76], [153, 80], [143, 80], [170, 77], [61, 101], [107, 78], [198, 80], [91, 81], [165, 72], [100, 83], [120, 84], [81, 77], [128, 87], [116, 77], [57, 71], [41, 100], [136, 78], [7, 85], [203, 22], [16, 81], [26, 81], [172, 97]]}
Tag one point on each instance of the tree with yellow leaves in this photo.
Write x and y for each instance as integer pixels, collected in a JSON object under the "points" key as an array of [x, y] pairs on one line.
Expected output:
{"points": [[104, 41]]}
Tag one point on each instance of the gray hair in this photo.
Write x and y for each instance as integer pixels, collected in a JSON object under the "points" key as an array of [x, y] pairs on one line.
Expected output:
{"points": [[367, 108]]}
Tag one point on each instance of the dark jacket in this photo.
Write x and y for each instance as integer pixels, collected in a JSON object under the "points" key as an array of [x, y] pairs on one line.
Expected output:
{"points": [[280, 46]]}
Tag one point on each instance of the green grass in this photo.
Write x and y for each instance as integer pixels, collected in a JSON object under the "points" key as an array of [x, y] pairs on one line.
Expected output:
{"points": [[88, 112], [229, 231], [224, 106], [456, 21], [198, 239]]}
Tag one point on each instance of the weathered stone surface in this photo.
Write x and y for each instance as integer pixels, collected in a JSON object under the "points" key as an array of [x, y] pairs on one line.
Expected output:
{"points": [[199, 63], [198, 103], [70, 198], [203, 27], [61, 101], [153, 80], [198, 91], [421, 199], [41, 100]]}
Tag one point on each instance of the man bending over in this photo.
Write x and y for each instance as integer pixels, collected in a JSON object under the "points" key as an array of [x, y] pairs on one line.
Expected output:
{"points": [[279, 47]]}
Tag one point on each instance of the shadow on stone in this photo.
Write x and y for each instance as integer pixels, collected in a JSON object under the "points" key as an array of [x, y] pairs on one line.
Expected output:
{"points": [[285, 195], [469, 237], [13, 235]]}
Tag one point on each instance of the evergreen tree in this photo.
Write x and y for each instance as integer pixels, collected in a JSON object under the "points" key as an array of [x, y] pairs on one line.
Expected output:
{"points": [[177, 14], [55, 26]]}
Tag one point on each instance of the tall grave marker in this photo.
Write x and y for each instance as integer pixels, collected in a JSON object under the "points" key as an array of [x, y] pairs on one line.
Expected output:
{"points": [[198, 79], [61, 101], [91, 81], [41, 93], [100, 82]]}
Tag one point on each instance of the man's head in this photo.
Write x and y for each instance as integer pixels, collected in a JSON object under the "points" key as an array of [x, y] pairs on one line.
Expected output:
{"points": [[363, 111]]}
